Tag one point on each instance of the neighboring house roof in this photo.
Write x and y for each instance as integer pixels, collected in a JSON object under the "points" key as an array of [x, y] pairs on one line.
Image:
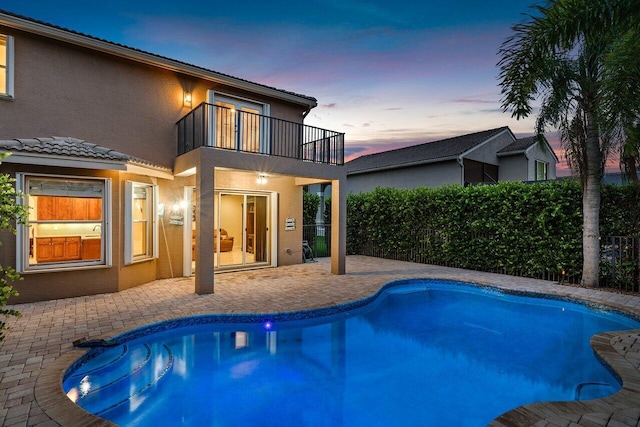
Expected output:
{"points": [[518, 146], [72, 152], [31, 25], [522, 145], [430, 152]]}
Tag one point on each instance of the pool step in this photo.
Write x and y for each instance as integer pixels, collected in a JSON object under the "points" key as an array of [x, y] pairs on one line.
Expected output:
{"points": [[593, 390], [128, 381], [110, 366]]}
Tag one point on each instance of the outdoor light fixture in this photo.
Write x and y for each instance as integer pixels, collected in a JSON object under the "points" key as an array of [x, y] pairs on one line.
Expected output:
{"points": [[179, 206], [262, 179], [187, 99], [177, 213]]}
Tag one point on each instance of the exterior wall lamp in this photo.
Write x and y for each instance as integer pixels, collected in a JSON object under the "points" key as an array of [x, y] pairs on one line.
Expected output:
{"points": [[187, 99], [262, 179]]}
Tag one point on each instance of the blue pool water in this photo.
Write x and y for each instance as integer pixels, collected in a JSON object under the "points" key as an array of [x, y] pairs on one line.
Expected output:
{"points": [[420, 353]]}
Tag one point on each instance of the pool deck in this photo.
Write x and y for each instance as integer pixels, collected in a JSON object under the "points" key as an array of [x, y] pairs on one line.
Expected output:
{"points": [[38, 347]]}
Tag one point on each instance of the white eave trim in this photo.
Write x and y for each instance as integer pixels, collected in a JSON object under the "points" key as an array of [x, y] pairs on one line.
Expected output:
{"points": [[148, 58], [84, 163], [512, 153], [148, 171]]}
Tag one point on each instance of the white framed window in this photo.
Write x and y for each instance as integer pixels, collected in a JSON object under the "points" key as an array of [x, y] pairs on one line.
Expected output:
{"points": [[140, 231], [542, 169], [6, 66], [69, 226]]}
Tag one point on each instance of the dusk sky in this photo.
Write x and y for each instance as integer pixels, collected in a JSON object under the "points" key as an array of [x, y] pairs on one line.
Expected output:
{"points": [[388, 74]]}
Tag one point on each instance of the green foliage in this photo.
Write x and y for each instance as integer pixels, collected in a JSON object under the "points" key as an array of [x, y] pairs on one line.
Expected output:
{"points": [[512, 227], [620, 210], [310, 204], [327, 211], [11, 213], [578, 60]]}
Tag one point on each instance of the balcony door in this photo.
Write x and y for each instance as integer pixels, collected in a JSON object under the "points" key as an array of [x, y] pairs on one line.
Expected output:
{"points": [[239, 124]]}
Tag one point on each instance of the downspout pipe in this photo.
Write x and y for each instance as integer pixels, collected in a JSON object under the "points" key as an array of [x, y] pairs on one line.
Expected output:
{"points": [[461, 163], [306, 112]]}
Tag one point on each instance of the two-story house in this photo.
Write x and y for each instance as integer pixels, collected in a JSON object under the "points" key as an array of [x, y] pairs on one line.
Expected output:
{"points": [[137, 167]]}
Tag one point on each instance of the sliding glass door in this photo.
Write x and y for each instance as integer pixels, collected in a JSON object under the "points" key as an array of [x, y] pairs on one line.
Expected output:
{"points": [[241, 236]]}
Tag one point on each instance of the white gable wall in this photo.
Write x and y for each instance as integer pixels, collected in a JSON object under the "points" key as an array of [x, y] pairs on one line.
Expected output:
{"points": [[486, 152], [544, 154]]}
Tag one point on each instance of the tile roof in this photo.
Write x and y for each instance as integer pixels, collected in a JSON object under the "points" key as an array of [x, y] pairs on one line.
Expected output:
{"points": [[15, 15], [72, 147], [429, 152]]}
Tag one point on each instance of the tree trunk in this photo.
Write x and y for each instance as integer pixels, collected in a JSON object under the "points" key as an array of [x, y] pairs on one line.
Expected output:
{"points": [[630, 168], [591, 205]]}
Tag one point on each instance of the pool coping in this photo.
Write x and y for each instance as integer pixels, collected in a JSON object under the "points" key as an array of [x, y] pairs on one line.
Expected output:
{"points": [[51, 398]]}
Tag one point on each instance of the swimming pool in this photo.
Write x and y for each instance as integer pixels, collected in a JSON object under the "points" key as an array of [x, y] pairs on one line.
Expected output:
{"points": [[421, 352]]}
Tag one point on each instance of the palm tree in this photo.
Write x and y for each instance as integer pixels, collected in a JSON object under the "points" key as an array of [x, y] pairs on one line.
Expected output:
{"points": [[559, 58], [622, 88]]}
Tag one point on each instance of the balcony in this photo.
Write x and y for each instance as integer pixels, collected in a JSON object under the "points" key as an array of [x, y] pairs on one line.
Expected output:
{"points": [[216, 126]]}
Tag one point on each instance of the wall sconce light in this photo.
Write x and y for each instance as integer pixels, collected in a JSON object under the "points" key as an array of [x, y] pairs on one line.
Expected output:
{"points": [[177, 213], [262, 179], [187, 99]]}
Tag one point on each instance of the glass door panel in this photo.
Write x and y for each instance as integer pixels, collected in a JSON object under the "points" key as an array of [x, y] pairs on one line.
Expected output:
{"points": [[228, 236], [225, 125], [238, 124], [250, 130], [257, 238], [190, 221]]}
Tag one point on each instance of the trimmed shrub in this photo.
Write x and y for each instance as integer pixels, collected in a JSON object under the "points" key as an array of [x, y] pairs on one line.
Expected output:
{"points": [[512, 227]]}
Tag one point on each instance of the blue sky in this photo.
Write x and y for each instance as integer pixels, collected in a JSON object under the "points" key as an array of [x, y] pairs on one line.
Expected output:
{"points": [[387, 73]]}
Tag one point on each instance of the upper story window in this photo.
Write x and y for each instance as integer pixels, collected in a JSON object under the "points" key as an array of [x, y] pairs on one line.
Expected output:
{"points": [[68, 225], [542, 169], [6, 66], [140, 232]]}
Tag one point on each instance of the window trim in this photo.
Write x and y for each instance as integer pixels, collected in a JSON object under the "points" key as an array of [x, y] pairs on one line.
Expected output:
{"points": [[546, 170], [22, 231], [152, 229], [9, 94]]}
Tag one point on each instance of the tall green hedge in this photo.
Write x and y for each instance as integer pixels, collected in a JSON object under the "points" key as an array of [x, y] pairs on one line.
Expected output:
{"points": [[310, 204], [512, 227]]}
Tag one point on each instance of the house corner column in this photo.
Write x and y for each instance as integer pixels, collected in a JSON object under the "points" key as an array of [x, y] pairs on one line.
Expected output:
{"points": [[338, 226], [204, 276]]}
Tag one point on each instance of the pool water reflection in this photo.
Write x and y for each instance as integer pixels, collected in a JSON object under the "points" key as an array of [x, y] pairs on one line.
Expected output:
{"points": [[422, 353]]}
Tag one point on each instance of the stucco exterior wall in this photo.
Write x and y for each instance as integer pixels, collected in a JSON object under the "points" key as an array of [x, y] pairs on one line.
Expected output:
{"points": [[538, 152], [65, 90], [429, 175], [514, 168]]}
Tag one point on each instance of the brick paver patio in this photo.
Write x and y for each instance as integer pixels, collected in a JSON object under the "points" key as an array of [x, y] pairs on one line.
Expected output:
{"points": [[39, 346]]}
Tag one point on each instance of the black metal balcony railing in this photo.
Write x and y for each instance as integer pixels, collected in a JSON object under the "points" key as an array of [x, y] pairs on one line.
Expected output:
{"points": [[216, 126]]}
